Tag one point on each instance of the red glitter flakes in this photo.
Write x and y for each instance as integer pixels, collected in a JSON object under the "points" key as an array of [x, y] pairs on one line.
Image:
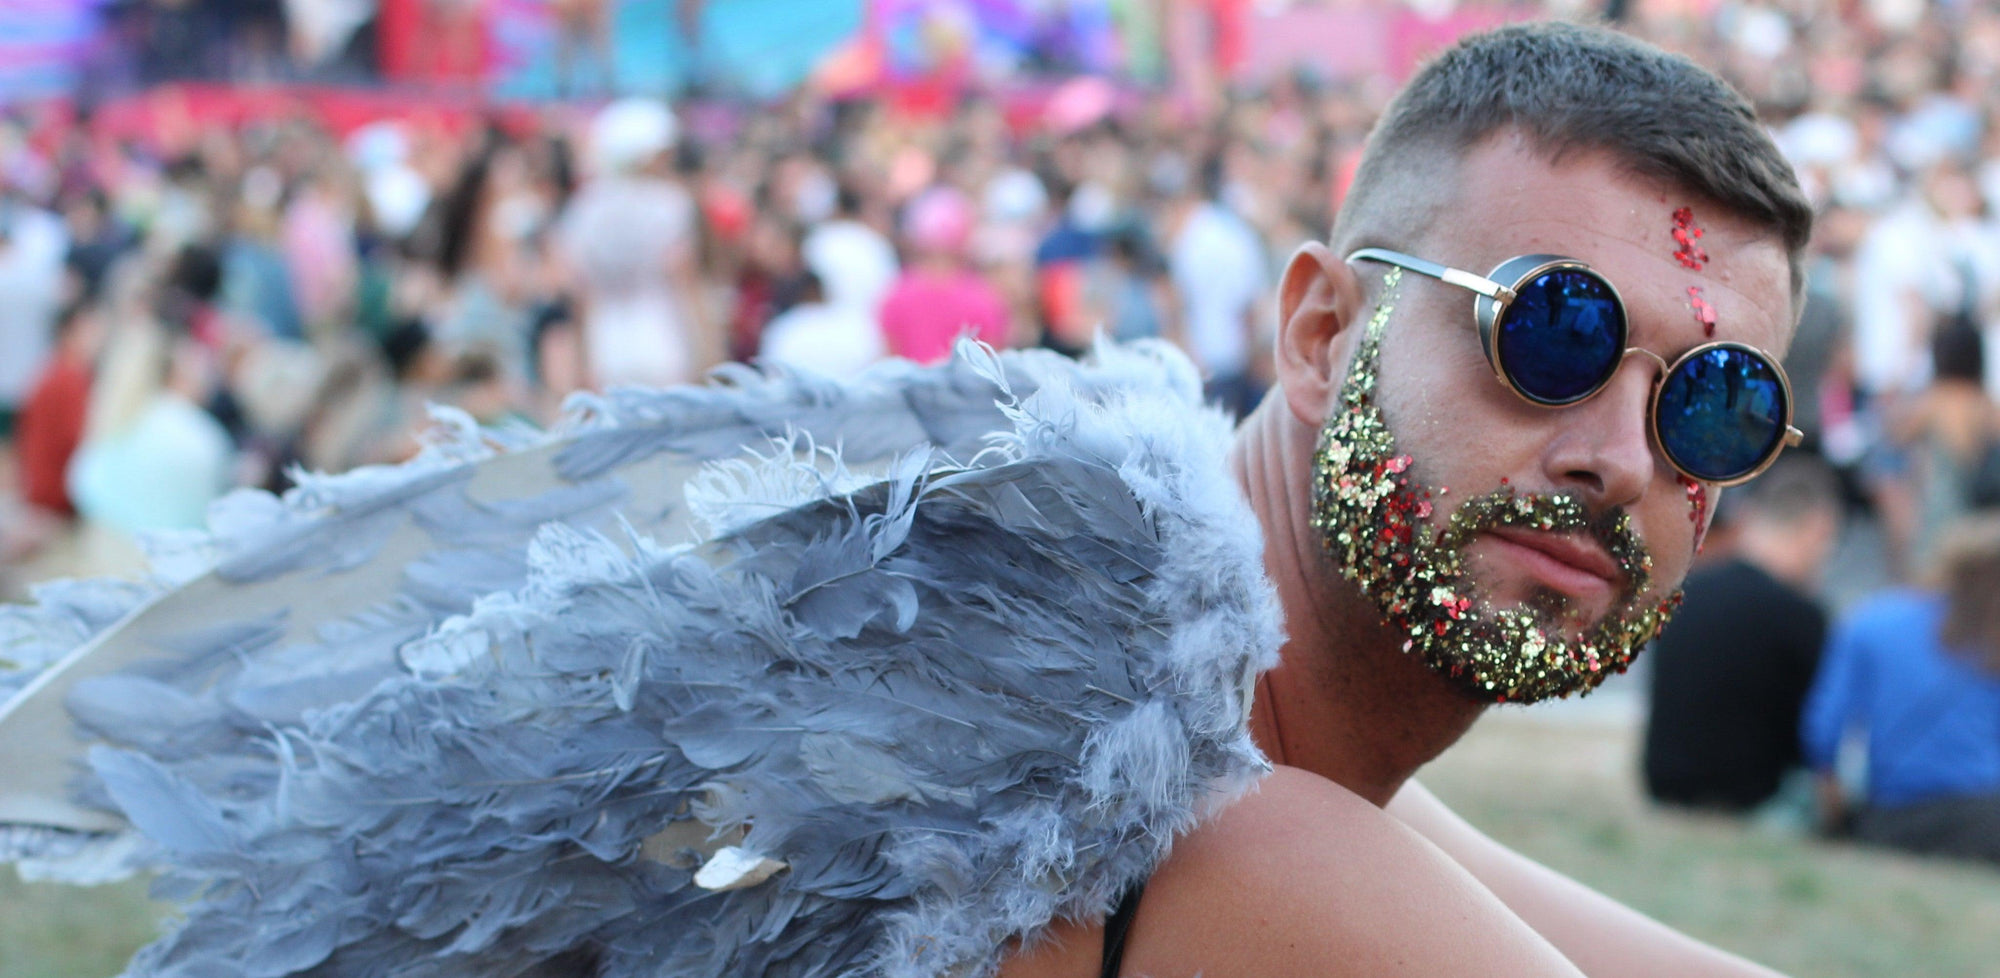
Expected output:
{"points": [[1686, 234], [1697, 496], [1703, 312]]}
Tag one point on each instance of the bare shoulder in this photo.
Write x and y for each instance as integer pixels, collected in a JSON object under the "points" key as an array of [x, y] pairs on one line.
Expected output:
{"points": [[1303, 876]]}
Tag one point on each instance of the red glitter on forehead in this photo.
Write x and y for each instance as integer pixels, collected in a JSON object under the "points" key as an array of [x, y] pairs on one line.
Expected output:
{"points": [[1686, 234], [1703, 312]]}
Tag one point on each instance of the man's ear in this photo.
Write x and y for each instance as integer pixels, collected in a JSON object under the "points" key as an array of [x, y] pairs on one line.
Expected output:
{"points": [[1319, 297]]}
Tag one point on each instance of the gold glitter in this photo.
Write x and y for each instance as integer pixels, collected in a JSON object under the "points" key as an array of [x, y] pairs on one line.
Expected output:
{"points": [[1373, 520]]}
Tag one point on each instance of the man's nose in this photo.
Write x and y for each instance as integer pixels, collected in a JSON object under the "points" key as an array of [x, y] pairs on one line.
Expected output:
{"points": [[1603, 447]]}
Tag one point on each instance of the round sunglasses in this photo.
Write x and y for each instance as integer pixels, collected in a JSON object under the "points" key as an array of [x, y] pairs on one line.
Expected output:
{"points": [[1556, 333]]}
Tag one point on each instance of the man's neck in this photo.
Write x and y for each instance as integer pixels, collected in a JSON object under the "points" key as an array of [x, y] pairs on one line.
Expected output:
{"points": [[1345, 702]]}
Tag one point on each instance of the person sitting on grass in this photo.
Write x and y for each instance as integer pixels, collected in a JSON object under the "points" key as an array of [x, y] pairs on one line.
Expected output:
{"points": [[1917, 673], [1729, 677]]}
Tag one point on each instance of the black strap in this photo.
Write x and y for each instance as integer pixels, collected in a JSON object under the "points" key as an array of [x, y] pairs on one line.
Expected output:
{"points": [[1118, 925]]}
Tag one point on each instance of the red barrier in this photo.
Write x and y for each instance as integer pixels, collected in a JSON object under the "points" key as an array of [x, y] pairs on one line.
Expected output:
{"points": [[173, 117]]}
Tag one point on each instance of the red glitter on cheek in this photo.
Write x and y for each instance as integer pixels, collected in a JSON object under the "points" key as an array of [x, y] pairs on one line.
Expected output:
{"points": [[1687, 234], [1697, 496], [1703, 312]]}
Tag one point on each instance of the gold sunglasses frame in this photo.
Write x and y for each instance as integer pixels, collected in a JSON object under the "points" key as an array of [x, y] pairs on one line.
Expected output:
{"points": [[1490, 302]]}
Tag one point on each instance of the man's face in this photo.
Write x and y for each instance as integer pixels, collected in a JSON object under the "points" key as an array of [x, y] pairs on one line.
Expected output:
{"points": [[1527, 552]]}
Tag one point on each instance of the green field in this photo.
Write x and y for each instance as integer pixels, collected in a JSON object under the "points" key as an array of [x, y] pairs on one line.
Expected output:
{"points": [[1561, 792], [1567, 794], [51, 931]]}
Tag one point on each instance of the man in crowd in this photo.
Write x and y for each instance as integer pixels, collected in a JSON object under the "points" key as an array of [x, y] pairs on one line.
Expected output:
{"points": [[1731, 674], [1217, 268], [1448, 530]]}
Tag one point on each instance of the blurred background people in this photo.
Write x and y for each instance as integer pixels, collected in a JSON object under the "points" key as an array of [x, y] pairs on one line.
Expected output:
{"points": [[1730, 674], [939, 296], [1220, 272], [33, 246], [151, 458], [855, 262], [51, 423], [822, 337], [629, 238], [1949, 434], [1916, 675]]}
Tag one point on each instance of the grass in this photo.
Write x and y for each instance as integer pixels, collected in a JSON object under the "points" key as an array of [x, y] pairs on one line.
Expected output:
{"points": [[1563, 792], [1567, 794], [53, 931]]}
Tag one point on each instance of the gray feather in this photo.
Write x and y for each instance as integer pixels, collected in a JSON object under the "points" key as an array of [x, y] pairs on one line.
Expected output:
{"points": [[978, 693]]}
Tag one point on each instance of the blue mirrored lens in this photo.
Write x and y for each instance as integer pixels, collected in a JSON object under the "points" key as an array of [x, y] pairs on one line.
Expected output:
{"points": [[1562, 335], [1722, 412]]}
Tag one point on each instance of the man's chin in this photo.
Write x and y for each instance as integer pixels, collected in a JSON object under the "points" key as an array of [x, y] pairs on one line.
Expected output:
{"points": [[1523, 654]]}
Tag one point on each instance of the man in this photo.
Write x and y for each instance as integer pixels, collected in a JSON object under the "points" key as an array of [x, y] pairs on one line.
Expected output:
{"points": [[1731, 674], [1536, 140], [887, 730]]}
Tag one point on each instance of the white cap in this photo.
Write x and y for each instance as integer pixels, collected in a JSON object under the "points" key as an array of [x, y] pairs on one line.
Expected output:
{"points": [[629, 132]]}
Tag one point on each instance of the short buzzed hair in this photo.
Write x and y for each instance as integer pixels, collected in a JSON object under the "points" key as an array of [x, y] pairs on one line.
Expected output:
{"points": [[1568, 87]]}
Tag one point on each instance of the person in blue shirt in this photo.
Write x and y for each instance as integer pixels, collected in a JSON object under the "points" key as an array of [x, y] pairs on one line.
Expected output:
{"points": [[1918, 672]]}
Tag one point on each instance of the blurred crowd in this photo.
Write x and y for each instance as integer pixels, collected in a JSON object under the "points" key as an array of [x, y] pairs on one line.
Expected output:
{"points": [[180, 321], [276, 297]]}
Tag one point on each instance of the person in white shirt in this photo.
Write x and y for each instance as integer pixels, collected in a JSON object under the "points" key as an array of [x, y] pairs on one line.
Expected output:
{"points": [[1218, 271], [32, 245], [628, 236], [822, 337], [855, 263]]}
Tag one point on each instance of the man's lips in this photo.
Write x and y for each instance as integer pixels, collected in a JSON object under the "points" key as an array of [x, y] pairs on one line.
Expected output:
{"points": [[1575, 565]]}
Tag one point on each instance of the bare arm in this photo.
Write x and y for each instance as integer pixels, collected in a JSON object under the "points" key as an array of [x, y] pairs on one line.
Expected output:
{"points": [[1306, 878], [1602, 936], [708, 339]]}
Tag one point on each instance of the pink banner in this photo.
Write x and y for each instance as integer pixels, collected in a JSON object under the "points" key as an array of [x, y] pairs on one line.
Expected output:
{"points": [[1359, 41]]}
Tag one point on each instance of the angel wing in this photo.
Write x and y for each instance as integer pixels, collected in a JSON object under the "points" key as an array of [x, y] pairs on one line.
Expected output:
{"points": [[956, 654]]}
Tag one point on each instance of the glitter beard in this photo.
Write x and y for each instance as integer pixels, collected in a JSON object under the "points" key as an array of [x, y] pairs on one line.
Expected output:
{"points": [[1372, 516]]}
